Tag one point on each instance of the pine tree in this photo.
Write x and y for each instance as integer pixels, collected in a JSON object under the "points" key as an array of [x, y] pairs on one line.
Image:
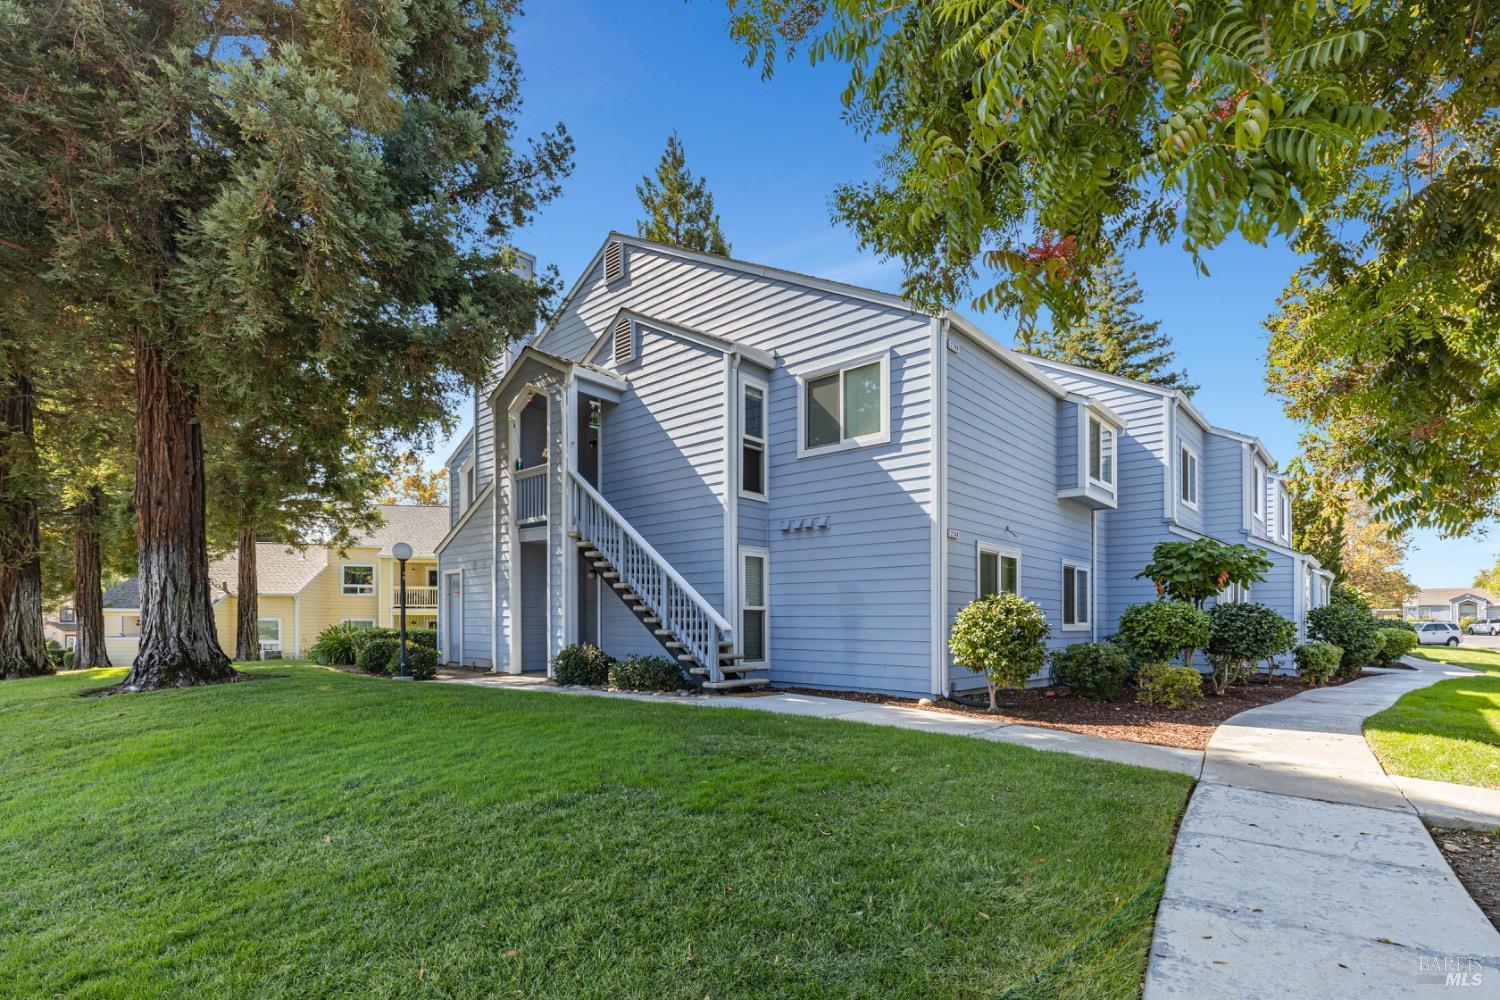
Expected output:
{"points": [[679, 210], [1110, 335], [328, 189]]}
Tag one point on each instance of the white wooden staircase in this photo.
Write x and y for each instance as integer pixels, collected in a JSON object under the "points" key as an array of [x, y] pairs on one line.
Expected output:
{"points": [[682, 620]]}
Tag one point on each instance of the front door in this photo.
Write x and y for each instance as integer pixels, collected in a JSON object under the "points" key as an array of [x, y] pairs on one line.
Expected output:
{"points": [[453, 618]]}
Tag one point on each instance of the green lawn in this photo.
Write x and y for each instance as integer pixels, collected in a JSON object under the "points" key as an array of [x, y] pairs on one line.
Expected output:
{"points": [[1449, 731], [314, 833]]}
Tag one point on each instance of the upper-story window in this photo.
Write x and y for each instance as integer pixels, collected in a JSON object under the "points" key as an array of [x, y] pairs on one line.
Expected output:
{"points": [[1101, 453], [66, 616], [358, 580], [1283, 513], [1258, 492], [753, 437], [1187, 477], [845, 407], [466, 481]]}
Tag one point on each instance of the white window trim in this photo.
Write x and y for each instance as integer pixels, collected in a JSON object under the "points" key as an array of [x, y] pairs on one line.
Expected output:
{"points": [[750, 381], [344, 587], [1283, 513], [465, 494], [751, 551], [1108, 485], [1088, 622], [278, 644], [1184, 452], [1258, 491], [983, 547], [880, 437]]}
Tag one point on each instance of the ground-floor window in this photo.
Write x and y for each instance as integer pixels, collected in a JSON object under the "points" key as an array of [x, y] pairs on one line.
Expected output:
{"points": [[754, 602], [999, 570], [270, 638], [360, 622], [1076, 597]]}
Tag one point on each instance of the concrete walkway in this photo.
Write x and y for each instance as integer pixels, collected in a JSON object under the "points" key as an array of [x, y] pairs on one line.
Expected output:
{"points": [[1188, 762], [1302, 870]]}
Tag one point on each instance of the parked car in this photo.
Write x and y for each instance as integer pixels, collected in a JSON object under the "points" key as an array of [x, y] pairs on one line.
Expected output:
{"points": [[1438, 634], [1484, 628]]}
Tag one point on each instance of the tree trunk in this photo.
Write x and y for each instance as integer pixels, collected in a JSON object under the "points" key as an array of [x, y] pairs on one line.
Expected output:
{"points": [[178, 644], [23, 648], [88, 596], [247, 645]]}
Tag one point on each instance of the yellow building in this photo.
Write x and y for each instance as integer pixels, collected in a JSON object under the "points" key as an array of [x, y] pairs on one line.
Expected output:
{"points": [[302, 592]]}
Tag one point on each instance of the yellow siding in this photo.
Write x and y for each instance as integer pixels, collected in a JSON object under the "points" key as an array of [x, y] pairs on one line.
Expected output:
{"points": [[224, 623], [417, 572], [324, 603], [120, 647]]}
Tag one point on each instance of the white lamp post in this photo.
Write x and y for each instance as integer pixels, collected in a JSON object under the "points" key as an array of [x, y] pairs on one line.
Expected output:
{"points": [[402, 552]]}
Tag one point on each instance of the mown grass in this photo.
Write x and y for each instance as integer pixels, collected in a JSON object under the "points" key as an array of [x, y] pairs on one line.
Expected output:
{"points": [[314, 833], [1449, 731]]}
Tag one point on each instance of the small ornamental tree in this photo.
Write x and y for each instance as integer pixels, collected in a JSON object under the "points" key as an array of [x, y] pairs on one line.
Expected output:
{"points": [[1244, 635], [1196, 571], [1157, 631], [1002, 637]]}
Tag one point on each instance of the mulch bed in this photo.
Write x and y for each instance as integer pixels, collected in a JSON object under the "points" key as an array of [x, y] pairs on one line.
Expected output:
{"points": [[1123, 719], [1475, 858]]}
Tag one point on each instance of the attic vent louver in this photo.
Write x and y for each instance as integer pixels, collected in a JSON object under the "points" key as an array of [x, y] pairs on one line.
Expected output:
{"points": [[614, 261], [623, 348]]}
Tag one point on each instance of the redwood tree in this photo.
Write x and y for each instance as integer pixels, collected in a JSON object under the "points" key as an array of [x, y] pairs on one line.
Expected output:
{"points": [[331, 187], [23, 650]]}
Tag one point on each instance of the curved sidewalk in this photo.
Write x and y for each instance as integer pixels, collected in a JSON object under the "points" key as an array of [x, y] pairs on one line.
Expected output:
{"points": [[1301, 870]]}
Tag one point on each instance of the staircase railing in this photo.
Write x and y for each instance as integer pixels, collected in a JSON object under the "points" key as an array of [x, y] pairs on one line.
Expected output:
{"points": [[682, 610]]}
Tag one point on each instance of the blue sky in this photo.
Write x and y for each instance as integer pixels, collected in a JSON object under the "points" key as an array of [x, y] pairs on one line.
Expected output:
{"points": [[622, 76]]}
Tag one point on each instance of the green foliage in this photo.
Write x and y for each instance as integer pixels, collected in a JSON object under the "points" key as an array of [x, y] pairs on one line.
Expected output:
{"points": [[67, 659], [1465, 622], [1243, 636], [365, 636], [1168, 686], [335, 645], [1095, 670], [1160, 630], [1001, 636], [583, 664], [645, 673], [374, 656], [421, 661], [1317, 662], [422, 637], [1195, 571], [1394, 644], [1110, 335], [1349, 626], [679, 210], [1031, 139], [1318, 515]]}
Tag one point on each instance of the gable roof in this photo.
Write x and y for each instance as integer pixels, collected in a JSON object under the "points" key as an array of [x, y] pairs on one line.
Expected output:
{"points": [[420, 525], [1447, 595], [711, 341], [125, 594], [279, 569]]}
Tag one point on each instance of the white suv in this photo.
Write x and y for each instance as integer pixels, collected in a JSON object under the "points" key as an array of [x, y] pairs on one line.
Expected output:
{"points": [[1438, 634], [1483, 628]]}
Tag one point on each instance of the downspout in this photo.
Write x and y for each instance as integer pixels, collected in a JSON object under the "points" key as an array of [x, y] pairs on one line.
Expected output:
{"points": [[1094, 570]]}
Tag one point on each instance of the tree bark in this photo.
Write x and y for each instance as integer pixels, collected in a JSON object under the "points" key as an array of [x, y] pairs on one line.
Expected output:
{"points": [[23, 647], [247, 623], [88, 594], [178, 644]]}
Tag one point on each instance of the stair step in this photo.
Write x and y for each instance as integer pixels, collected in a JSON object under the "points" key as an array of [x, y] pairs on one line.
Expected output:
{"points": [[731, 656], [627, 597], [663, 631], [651, 620], [600, 563], [686, 658], [699, 671], [743, 682], [674, 644], [590, 553], [574, 534], [641, 609], [608, 574]]}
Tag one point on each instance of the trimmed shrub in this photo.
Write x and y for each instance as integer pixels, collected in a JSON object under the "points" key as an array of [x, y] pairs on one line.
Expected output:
{"points": [[582, 664], [68, 657], [1094, 670], [336, 646], [1351, 629], [421, 637], [1394, 644], [375, 656], [421, 661], [365, 636], [1316, 662], [54, 653], [1160, 630], [1244, 635], [1000, 636], [645, 673], [1168, 686]]}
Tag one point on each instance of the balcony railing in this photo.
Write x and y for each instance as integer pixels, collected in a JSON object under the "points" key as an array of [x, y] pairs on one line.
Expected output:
{"points": [[416, 597], [531, 496]]}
